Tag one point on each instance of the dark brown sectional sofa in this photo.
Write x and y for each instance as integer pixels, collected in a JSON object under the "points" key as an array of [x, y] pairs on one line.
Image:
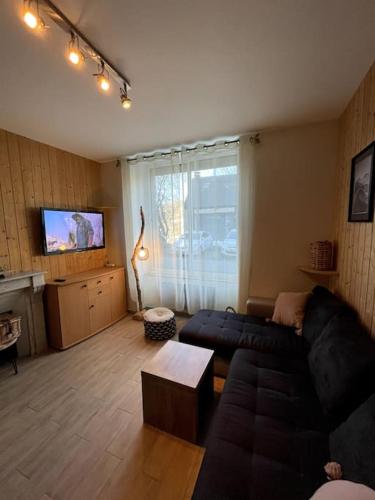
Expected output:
{"points": [[290, 404]]}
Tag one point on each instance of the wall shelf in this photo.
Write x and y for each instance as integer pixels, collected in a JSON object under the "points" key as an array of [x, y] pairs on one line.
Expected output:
{"points": [[104, 207], [315, 272]]}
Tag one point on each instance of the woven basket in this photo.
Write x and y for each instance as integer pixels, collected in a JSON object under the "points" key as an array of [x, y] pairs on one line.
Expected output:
{"points": [[10, 328], [321, 255]]}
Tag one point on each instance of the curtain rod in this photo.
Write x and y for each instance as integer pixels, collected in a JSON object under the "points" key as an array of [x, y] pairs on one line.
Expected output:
{"points": [[179, 150]]}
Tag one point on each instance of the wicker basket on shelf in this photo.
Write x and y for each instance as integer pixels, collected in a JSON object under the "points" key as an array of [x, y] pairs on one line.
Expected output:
{"points": [[321, 255]]}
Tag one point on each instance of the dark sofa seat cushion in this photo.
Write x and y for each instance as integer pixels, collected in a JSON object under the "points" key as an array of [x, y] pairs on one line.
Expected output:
{"points": [[353, 445], [320, 308], [225, 332], [342, 365], [268, 439]]}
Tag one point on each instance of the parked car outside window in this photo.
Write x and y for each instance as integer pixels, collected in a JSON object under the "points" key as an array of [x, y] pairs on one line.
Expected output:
{"points": [[229, 245], [199, 242]]}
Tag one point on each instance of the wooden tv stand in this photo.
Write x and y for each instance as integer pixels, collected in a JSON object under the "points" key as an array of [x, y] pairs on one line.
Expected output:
{"points": [[84, 304]]}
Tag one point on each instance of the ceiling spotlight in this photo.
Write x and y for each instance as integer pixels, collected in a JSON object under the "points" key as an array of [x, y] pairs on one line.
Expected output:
{"points": [[104, 83], [126, 102], [75, 55], [103, 77], [30, 19], [31, 15]]}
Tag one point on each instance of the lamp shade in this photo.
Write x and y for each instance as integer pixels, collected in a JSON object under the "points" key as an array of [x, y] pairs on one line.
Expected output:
{"points": [[143, 253]]}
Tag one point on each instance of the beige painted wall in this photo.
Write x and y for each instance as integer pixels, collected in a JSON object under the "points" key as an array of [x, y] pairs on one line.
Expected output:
{"points": [[295, 176]]}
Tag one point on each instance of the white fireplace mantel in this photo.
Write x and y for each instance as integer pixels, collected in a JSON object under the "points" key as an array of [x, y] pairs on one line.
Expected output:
{"points": [[22, 293], [17, 281]]}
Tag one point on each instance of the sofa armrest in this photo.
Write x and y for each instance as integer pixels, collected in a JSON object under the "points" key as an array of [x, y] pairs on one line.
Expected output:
{"points": [[260, 306]]}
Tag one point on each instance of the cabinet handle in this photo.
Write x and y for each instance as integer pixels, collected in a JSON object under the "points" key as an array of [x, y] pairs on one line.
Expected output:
{"points": [[91, 307], [111, 278], [84, 286], [99, 281], [99, 293]]}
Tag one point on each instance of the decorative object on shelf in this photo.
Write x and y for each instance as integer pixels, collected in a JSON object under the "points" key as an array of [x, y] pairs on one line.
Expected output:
{"points": [[80, 48], [361, 201], [141, 253], [321, 253], [160, 323]]}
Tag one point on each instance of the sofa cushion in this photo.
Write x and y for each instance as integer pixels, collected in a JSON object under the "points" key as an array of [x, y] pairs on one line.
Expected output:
{"points": [[342, 365], [353, 444], [320, 308], [225, 332], [268, 439], [290, 309]]}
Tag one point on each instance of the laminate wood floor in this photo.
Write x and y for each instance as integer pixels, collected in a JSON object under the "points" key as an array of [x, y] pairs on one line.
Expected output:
{"points": [[71, 426]]}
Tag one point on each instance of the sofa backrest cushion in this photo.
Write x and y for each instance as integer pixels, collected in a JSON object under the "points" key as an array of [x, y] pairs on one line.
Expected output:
{"points": [[320, 308], [352, 444], [342, 366]]}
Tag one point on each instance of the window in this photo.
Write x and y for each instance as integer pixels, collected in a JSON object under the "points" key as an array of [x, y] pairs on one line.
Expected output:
{"points": [[190, 202]]}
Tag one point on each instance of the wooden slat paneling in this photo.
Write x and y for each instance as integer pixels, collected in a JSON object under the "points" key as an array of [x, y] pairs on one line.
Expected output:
{"points": [[9, 209], [34, 175], [356, 241]]}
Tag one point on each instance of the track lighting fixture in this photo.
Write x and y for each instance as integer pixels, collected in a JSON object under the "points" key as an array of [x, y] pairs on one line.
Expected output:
{"points": [[75, 54], [103, 77], [79, 48], [126, 102], [31, 15]]}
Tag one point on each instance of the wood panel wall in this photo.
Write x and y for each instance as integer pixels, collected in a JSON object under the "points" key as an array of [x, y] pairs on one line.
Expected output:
{"points": [[34, 175], [356, 241]]}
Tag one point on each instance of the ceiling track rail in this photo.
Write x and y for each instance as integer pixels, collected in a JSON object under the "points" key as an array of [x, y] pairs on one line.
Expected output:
{"points": [[59, 18]]}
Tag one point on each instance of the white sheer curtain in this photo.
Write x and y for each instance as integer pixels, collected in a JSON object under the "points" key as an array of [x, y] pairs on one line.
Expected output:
{"points": [[246, 202], [190, 200]]}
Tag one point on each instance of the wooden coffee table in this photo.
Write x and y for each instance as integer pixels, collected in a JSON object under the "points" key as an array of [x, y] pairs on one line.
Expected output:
{"points": [[176, 383]]}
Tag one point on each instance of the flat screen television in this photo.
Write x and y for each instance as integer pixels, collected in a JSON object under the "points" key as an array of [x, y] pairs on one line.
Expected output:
{"points": [[66, 231]]}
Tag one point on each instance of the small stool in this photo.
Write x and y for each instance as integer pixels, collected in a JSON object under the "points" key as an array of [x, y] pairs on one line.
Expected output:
{"points": [[10, 331], [160, 323]]}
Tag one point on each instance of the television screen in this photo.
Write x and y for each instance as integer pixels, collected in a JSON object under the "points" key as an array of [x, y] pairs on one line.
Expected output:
{"points": [[71, 230]]}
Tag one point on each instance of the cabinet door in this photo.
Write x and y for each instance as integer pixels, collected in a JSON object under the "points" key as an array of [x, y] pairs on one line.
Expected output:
{"points": [[118, 298], [100, 308], [74, 313]]}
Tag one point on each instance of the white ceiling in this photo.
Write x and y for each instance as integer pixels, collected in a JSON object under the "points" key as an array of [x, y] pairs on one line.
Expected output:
{"points": [[198, 68]]}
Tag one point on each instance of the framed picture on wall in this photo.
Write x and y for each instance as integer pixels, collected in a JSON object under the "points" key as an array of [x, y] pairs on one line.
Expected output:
{"points": [[361, 201]]}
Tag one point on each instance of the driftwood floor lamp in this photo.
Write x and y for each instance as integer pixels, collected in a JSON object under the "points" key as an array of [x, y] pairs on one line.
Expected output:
{"points": [[140, 253]]}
